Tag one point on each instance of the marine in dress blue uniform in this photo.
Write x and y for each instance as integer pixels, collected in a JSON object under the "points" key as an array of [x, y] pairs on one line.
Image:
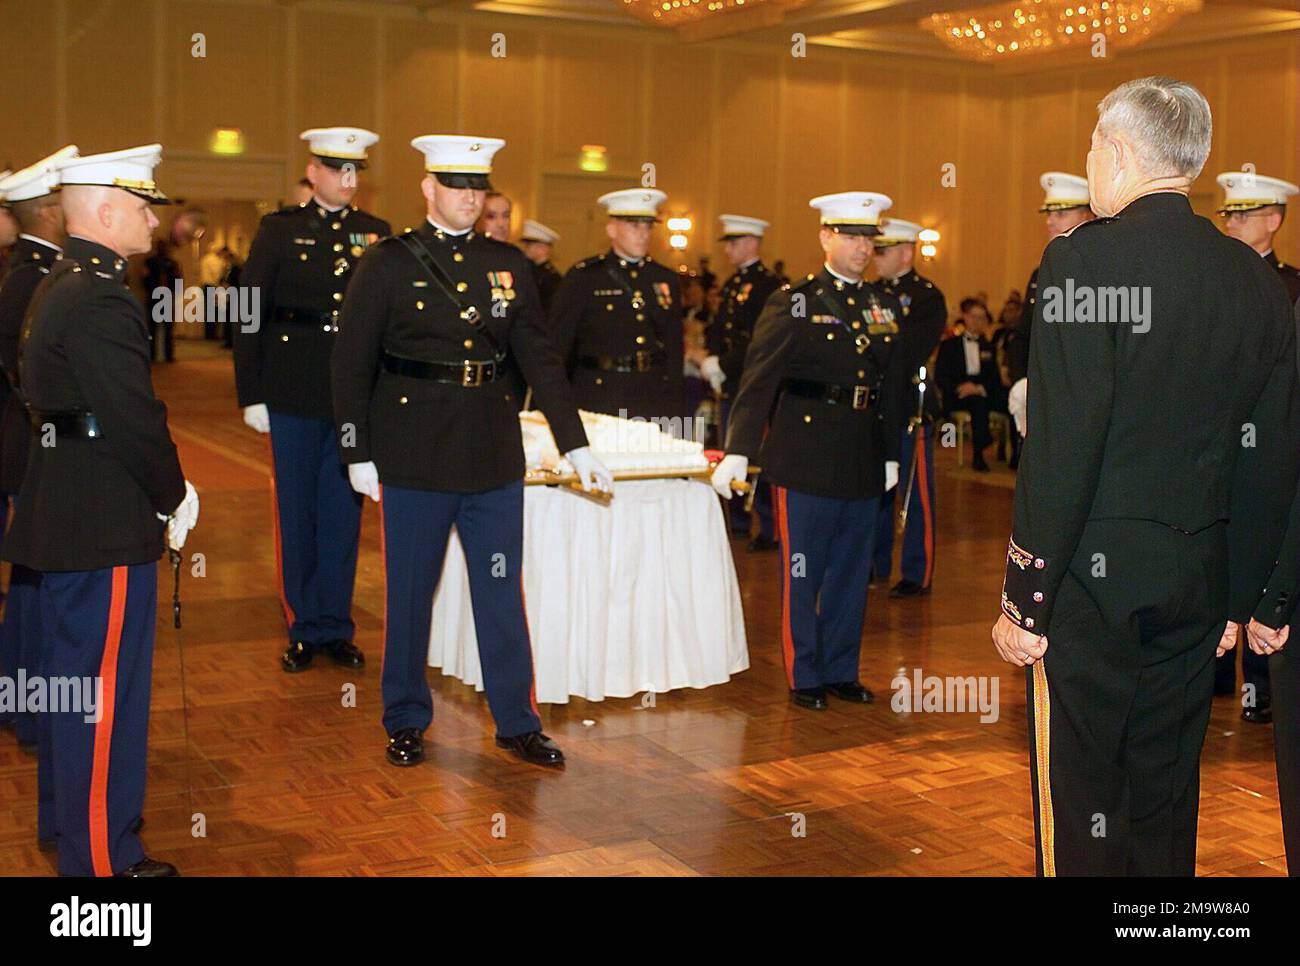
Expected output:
{"points": [[31, 195], [818, 409], [741, 300], [925, 314], [84, 371], [617, 319], [429, 428], [301, 262]]}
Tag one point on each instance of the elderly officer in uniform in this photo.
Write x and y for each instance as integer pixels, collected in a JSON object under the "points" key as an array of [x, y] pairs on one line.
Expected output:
{"points": [[741, 300], [301, 262], [1253, 209], [536, 242], [1153, 491], [1065, 206], [617, 318], [925, 314], [31, 195], [422, 410], [84, 368], [817, 407]]}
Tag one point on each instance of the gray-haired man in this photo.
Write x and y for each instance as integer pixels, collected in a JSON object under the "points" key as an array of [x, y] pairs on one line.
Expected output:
{"points": [[1153, 491]]}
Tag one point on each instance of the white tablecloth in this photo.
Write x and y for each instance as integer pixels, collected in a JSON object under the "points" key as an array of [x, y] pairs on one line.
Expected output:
{"points": [[637, 596]]}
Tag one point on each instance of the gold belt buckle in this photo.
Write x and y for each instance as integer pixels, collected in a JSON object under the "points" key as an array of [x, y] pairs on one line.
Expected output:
{"points": [[861, 397], [644, 360], [472, 374]]}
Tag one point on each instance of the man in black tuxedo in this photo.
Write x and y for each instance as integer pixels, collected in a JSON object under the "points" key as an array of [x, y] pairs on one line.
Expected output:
{"points": [[966, 371], [1154, 487]]}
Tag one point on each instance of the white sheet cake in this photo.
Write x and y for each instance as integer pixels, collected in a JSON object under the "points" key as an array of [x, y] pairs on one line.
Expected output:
{"points": [[623, 445]]}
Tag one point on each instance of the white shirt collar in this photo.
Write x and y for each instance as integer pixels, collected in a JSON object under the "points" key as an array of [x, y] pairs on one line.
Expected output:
{"points": [[843, 278], [40, 241], [744, 265], [315, 199], [448, 231]]}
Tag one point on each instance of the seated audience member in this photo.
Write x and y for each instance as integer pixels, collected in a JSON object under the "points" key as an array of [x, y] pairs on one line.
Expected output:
{"points": [[966, 373]]}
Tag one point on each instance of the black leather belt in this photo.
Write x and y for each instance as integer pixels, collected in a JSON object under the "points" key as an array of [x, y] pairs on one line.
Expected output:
{"points": [[326, 321], [468, 373], [70, 425], [643, 360], [858, 397]]}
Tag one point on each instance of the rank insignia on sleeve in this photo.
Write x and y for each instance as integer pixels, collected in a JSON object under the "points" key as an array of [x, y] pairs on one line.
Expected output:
{"points": [[664, 292]]}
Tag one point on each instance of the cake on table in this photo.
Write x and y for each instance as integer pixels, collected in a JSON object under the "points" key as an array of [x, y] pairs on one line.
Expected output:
{"points": [[625, 446]]}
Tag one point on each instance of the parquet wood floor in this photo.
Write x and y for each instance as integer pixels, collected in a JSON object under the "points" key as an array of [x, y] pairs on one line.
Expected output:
{"points": [[716, 782]]}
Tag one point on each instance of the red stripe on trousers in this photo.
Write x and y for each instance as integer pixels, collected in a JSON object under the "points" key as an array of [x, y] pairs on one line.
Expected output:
{"points": [[528, 636], [100, 858], [787, 635], [279, 553], [923, 476]]}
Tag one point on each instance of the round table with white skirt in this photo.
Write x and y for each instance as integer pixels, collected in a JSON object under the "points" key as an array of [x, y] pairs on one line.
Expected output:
{"points": [[637, 596]]}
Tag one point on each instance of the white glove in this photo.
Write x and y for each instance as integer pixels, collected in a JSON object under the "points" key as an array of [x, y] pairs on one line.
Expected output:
{"points": [[732, 468], [364, 478], [590, 470], [711, 370], [891, 474], [183, 518], [258, 417], [1018, 404]]}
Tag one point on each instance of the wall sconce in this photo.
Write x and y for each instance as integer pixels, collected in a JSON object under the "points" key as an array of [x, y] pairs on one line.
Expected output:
{"points": [[593, 158], [226, 140], [929, 239], [678, 242], [679, 224]]}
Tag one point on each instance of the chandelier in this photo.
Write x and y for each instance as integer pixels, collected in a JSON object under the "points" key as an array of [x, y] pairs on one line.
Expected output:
{"points": [[1017, 28], [673, 13]]}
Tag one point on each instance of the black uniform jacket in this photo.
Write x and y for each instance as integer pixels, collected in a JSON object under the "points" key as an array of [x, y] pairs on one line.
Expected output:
{"points": [[300, 264], [925, 315], [1282, 590], [91, 503], [1184, 414], [815, 333], [1290, 275], [731, 330], [30, 264], [611, 308], [1016, 346], [548, 280], [429, 435]]}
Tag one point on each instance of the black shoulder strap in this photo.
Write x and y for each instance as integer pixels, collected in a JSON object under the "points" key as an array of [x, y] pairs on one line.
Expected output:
{"points": [[469, 313]]}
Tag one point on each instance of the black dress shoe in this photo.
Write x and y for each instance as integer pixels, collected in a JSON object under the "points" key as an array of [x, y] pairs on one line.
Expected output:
{"points": [[534, 748], [148, 869], [851, 691], [814, 699], [406, 747], [908, 588], [1262, 713], [345, 653], [297, 656], [761, 544]]}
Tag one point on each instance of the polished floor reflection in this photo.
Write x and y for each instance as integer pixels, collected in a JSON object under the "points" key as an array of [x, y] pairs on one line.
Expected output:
{"points": [[283, 777]]}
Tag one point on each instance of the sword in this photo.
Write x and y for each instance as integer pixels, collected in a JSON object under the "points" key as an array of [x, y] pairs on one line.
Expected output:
{"points": [[913, 424]]}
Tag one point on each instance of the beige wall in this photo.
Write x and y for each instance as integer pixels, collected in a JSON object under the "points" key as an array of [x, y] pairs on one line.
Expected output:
{"points": [[731, 126]]}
